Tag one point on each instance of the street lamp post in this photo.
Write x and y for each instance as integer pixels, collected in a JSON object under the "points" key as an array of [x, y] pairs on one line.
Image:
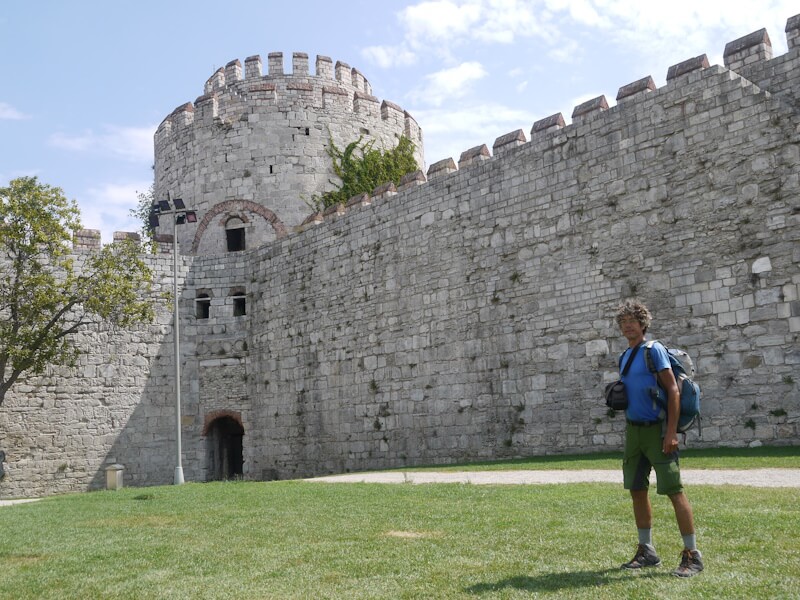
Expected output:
{"points": [[180, 215]]}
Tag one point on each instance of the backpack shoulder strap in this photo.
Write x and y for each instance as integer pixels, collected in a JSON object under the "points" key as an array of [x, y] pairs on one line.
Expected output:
{"points": [[648, 359]]}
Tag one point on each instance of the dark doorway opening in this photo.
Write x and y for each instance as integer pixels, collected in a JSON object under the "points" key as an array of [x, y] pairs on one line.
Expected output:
{"points": [[224, 443]]}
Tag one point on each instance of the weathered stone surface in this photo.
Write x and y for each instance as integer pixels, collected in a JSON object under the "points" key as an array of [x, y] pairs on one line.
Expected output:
{"points": [[470, 316]]}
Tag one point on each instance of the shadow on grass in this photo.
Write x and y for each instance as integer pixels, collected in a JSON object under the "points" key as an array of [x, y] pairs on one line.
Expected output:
{"points": [[553, 582]]}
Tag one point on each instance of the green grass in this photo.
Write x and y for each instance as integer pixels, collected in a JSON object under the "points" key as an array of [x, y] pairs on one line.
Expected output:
{"points": [[311, 540], [711, 458]]}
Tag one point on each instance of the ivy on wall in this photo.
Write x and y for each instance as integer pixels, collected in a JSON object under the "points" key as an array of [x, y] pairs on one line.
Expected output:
{"points": [[361, 168]]}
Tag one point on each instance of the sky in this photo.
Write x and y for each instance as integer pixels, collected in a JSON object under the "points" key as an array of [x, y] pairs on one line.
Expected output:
{"points": [[85, 83]]}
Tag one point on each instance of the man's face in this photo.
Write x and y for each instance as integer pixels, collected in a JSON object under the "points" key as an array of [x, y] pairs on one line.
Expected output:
{"points": [[631, 328]]}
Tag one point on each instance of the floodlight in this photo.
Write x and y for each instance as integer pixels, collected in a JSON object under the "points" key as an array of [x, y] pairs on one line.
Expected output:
{"points": [[163, 206], [191, 216], [152, 220], [179, 204]]}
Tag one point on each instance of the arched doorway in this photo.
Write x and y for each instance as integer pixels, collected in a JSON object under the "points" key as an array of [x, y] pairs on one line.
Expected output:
{"points": [[224, 449]]}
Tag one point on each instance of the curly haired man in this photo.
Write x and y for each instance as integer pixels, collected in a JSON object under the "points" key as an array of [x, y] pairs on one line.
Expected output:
{"points": [[652, 444]]}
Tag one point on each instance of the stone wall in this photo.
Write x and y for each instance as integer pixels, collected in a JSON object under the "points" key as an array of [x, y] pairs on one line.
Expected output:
{"points": [[469, 314], [254, 147]]}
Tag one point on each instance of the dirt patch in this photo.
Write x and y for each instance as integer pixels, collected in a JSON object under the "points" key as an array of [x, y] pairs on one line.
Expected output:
{"points": [[413, 535]]}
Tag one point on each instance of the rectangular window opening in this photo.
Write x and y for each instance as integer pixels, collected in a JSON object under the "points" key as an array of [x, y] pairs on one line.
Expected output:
{"points": [[235, 239], [239, 306], [202, 308]]}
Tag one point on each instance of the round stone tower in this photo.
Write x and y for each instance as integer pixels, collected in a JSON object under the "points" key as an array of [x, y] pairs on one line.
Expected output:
{"points": [[250, 153]]}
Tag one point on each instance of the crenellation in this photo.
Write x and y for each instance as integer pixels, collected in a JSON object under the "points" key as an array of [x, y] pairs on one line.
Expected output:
{"points": [[343, 73], [793, 32], [122, 236], [749, 49], [441, 168], [411, 180], [233, 72], [300, 64], [252, 67], [589, 109], [215, 82], [275, 64], [384, 191], [206, 108], [547, 125], [412, 130], [86, 239], [393, 113], [473, 155], [359, 200], [334, 210], [508, 142], [183, 116], [636, 90], [324, 67], [358, 80], [688, 66]]}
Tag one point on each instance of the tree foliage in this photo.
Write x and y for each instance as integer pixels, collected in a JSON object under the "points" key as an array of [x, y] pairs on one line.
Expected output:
{"points": [[44, 297], [144, 204], [361, 168]]}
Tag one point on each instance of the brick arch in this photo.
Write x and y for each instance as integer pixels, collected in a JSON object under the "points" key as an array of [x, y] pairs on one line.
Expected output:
{"points": [[219, 414], [238, 205]]}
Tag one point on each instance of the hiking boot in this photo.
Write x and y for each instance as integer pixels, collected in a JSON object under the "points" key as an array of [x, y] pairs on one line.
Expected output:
{"points": [[645, 557], [691, 564]]}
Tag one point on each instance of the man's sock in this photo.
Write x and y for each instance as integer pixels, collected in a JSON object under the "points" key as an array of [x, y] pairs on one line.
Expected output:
{"points": [[646, 536], [689, 541]]}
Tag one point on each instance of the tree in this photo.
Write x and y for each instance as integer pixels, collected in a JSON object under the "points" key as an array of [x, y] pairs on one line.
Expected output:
{"points": [[144, 207], [361, 168], [44, 297]]}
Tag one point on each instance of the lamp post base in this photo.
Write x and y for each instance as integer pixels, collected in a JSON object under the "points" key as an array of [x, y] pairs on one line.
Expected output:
{"points": [[178, 475]]}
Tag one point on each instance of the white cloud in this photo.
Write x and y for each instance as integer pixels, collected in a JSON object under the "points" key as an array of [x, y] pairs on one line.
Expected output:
{"points": [[440, 20], [130, 143], [448, 84], [10, 113], [450, 132], [389, 56], [107, 207], [438, 27]]}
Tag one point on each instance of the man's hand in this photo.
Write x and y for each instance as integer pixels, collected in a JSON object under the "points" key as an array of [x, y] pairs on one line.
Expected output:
{"points": [[670, 443]]}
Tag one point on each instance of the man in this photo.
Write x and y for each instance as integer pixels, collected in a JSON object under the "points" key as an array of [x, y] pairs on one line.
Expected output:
{"points": [[651, 444]]}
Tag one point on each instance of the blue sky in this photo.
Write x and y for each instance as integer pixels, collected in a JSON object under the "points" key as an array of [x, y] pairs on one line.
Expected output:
{"points": [[85, 83]]}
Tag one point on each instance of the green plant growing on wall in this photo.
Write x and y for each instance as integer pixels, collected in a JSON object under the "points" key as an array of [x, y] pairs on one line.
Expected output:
{"points": [[44, 299], [360, 168], [141, 213]]}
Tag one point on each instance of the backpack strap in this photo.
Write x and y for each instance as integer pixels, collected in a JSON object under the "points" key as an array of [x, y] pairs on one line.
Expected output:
{"points": [[630, 360]]}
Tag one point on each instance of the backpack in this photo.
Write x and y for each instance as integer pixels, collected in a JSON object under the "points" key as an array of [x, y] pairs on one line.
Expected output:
{"points": [[683, 368]]}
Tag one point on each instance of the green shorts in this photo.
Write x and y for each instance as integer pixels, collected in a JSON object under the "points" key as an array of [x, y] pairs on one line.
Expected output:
{"points": [[643, 446]]}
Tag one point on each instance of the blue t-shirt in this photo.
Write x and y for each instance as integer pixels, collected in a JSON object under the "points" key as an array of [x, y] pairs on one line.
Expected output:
{"points": [[640, 381]]}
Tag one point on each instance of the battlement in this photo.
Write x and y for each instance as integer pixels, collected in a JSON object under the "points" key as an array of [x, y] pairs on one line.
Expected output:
{"points": [[746, 54], [333, 87], [87, 240]]}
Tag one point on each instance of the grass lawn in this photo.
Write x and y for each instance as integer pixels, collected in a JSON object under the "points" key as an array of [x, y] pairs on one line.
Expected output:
{"points": [[296, 539]]}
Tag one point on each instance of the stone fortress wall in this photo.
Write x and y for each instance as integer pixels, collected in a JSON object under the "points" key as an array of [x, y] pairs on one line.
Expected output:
{"points": [[469, 314], [251, 151]]}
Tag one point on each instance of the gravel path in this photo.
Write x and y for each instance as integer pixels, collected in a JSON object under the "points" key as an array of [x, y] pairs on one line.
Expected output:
{"points": [[749, 477], [766, 478]]}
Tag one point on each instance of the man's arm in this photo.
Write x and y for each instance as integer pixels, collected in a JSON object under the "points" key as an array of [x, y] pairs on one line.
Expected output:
{"points": [[666, 378]]}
